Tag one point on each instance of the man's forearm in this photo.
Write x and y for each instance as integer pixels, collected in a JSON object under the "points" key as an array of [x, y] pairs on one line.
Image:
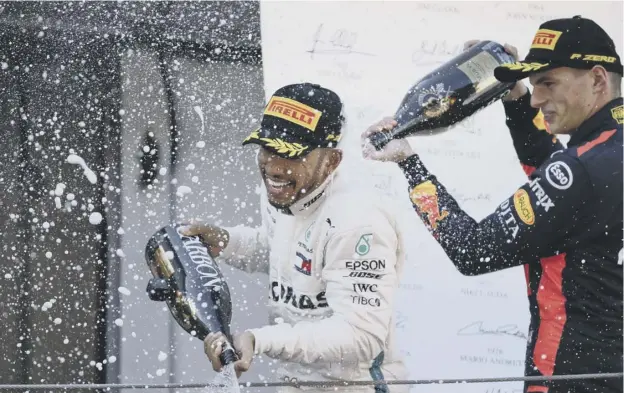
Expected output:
{"points": [[532, 142], [246, 249], [472, 246], [331, 340]]}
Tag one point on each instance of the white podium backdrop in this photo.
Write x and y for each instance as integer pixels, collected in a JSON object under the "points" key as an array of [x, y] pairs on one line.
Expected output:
{"points": [[370, 53]]}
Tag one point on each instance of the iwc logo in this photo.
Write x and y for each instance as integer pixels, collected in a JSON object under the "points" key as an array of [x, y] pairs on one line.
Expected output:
{"points": [[435, 100]]}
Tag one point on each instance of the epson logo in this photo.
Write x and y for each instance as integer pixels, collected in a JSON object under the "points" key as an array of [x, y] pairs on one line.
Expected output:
{"points": [[204, 264], [373, 264]]}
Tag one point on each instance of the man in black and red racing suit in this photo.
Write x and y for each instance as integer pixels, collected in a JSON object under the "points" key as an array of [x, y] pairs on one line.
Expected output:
{"points": [[565, 224]]}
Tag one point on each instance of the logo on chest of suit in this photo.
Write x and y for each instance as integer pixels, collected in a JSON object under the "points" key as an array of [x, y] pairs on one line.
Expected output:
{"points": [[360, 287], [305, 247], [362, 247], [306, 240], [303, 264], [373, 264], [305, 244], [308, 233], [287, 295], [365, 275]]}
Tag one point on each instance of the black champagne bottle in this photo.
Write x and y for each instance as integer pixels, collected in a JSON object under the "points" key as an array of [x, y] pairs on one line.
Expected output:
{"points": [[188, 279], [449, 94]]}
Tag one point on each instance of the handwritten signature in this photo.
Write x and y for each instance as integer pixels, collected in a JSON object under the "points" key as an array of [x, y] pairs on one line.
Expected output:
{"points": [[435, 52], [341, 42], [461, 197], [477, 329], [435, 7], [401, 320], [503, 390]]}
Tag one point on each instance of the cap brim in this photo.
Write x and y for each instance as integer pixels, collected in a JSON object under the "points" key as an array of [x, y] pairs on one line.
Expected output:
{"points": [[513, 72], [283, 145]]}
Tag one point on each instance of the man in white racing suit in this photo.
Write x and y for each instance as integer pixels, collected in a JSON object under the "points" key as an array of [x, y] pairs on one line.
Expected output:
{"points": [[333, 254]]}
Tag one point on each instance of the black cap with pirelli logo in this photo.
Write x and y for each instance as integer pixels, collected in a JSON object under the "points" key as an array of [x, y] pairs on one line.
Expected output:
{"points": [[299, 118], [572, 42]]}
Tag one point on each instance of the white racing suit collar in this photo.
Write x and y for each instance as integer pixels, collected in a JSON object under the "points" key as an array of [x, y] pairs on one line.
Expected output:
{"points": [[307, 205]]}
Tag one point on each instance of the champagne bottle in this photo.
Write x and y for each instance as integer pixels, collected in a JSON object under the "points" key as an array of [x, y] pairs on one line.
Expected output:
{"points": [[449, 94], [188, 279]]}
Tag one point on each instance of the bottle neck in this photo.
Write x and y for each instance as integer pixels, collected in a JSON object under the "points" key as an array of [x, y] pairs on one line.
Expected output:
{"points": [[410, 125]]}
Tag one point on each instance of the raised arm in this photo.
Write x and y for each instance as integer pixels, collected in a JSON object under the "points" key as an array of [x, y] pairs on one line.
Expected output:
{"points": [[538, 216], [533, 143]]}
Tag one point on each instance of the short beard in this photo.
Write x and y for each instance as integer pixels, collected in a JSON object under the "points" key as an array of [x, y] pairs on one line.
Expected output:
{"points": [[315, 184], [281, 206]]}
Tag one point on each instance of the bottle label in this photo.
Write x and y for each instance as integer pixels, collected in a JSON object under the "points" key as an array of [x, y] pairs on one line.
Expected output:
{"points": [[480, 67], [480, 71], [439, 96], [205, 266]]}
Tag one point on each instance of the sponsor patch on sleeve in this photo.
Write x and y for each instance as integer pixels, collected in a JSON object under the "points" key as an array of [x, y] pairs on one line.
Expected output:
{"points": [[425, 197], [522, 203], [618, 114], [559, 175], [543, 200], [507, 219]]}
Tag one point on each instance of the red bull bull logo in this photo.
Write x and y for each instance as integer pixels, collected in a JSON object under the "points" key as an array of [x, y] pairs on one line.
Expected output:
{"points": [[425, 197], [541, 124]]}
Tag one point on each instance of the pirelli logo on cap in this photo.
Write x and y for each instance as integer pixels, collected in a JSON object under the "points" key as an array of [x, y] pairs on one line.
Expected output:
{"points": [[293, 111], [545, 39]]}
